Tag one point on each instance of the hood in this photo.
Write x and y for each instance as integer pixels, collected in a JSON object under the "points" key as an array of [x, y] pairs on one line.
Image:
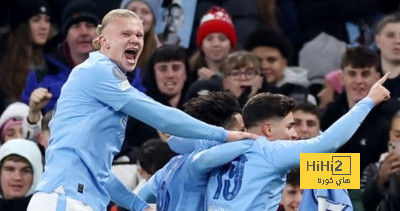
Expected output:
{"points": [[295, 75], [14, 110], [28, 150]]}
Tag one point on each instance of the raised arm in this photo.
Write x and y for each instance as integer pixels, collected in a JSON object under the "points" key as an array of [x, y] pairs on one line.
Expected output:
{"points": [[31, 125], [288, 152]]}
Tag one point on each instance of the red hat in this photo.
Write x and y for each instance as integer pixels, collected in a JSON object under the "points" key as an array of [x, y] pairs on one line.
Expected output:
{"points": [[216, 20]]}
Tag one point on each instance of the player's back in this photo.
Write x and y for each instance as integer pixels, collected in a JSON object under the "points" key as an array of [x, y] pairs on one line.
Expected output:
{"points": [[179, 186], [250, 182]]}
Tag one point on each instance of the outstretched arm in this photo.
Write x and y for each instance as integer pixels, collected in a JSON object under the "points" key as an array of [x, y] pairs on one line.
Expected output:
{"points": [[123, 196], [174, 121], [288, 153], [206, 160], [170, 120], [186, 145]]}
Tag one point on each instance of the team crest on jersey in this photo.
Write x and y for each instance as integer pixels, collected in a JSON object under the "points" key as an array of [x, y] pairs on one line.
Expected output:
{"points": [[124, 85], [119, 74]]}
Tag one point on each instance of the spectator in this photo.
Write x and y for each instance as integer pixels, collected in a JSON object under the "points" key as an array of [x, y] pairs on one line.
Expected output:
{"points": [[380, 182], [79, 22], [241, 74], [388, 42], [145, 9], [11, 121], [291, 194], [216, 38], [167, 79], [359, 73], [20, 170], [30, 30], [306, 120]]}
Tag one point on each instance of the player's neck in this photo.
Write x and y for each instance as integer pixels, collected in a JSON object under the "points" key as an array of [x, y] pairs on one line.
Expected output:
{"points": [[255, 130]]}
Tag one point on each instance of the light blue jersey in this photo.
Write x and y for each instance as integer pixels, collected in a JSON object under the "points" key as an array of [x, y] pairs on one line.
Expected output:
{"points": [[181, 184], [334, 199], [88, 128], [255, 180]]}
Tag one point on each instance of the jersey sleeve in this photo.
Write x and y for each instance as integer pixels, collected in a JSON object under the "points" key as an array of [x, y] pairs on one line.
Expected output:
{"points": [[171, 120], [149, 191], [187, 145], [108, 84], [286, 154], [122, 195], [206, 160]]}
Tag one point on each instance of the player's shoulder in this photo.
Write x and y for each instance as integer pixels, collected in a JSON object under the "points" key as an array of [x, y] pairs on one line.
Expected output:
{"points": [[97, 61]]}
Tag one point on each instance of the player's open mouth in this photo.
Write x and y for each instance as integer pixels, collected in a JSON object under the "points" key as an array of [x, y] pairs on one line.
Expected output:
{"points": [[131, 54]]}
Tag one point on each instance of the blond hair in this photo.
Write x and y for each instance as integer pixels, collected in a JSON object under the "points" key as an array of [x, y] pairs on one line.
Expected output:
{"points": [[117, 13], [240, 59]]}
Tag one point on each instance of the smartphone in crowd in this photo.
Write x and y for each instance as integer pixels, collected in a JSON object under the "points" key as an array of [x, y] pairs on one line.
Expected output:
{"points": [[394, 146]]}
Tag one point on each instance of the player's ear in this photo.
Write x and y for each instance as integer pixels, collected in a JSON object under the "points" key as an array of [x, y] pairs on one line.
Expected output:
{"points": [[104, 42], [266, 129]]}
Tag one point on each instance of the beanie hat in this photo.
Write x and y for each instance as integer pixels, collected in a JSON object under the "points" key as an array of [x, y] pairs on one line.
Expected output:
{"points": [[77, 11], [8, 124], [23, 10], [216, 20], [332, 79]]}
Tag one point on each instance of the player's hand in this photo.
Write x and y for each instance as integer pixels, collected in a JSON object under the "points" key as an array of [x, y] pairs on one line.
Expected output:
{"points": [[149, 209], [205, 73], [163, 136], [379, 93], [239, 135], [39, 98]]}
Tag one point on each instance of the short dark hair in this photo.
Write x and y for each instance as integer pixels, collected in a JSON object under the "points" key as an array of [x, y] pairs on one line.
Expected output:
{"points": [[269, 38], [307, 107], [215, 108], [165, 53], [265, 106], [153, 155], [293, 177], [168, 53], [360, 57], [15, 158]]}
